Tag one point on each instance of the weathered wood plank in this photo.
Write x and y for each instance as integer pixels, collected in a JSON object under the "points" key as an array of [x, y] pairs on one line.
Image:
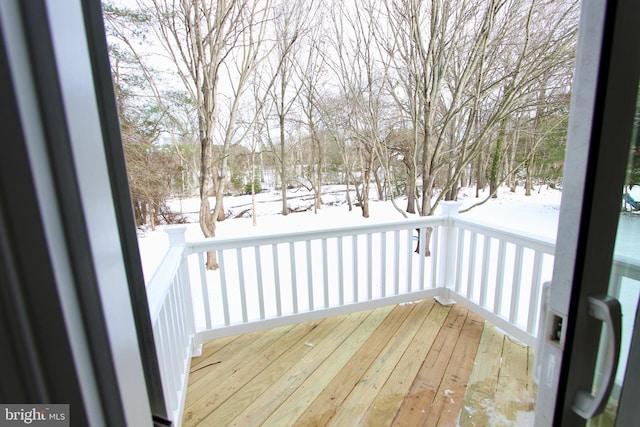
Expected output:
{"points": [[478, 407], [450, 395], [534, 386], [218, 390], [415, 408], [260, 409], [365, 392], [208, 350], [384, 408], [514, 403], [324, 406], [267, 376], [308, 391], [230, 356]]}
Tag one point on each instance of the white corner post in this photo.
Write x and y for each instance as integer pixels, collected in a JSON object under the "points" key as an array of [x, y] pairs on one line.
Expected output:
{"points": [[176, 234], [177, 237], [447, 251]]}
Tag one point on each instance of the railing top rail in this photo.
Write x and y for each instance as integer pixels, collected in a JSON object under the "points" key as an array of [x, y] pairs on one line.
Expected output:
{"points": [[220, 243], [628, 266], [160, 282], [544, 244]]}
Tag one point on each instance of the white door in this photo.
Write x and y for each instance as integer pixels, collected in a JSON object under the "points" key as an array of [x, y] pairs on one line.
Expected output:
{"points": [[591, 312]]}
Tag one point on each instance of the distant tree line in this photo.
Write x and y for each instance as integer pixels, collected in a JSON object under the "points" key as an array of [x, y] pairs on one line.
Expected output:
{"points": [[407, 97]]}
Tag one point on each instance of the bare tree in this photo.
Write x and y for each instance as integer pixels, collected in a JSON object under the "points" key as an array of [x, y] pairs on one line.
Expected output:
{"points": [[203, 38], [310, 70], [145, 115], [463, 69], [361, 72], [291, 22]]}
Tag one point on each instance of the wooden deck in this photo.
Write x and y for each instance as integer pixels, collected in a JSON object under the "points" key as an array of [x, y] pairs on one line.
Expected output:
{"points": [[419, 364]]}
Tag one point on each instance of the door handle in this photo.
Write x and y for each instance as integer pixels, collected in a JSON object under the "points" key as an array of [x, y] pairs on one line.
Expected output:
{"points": [[607, 309]]}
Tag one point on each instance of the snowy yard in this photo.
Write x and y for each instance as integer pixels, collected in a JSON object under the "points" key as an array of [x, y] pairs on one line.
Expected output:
{"points": [[537, 215]]}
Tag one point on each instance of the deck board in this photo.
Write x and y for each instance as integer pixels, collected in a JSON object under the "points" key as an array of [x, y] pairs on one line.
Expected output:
{"points": [[280, 389], [328, 402], [420, 406], [385, 406], [271, 372], [512, 403], [219, 385], [361, 397], [483, 382], [408, 364], [295, 405]]}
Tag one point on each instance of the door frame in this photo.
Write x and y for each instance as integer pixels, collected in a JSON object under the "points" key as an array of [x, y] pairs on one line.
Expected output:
{"points": [[600, 127]]}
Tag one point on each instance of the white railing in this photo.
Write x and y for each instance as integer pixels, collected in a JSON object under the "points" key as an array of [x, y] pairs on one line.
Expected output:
{"points": [[171, 311], [271, 280], [623, 267], [499, 274]]}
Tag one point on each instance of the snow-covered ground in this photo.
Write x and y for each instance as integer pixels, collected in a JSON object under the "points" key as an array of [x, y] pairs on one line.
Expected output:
{"points": [[536, 214]]}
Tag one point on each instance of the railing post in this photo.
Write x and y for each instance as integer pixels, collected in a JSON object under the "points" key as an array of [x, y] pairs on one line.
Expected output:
{"points": [[177, 238], [176, 234], [448, 250]]}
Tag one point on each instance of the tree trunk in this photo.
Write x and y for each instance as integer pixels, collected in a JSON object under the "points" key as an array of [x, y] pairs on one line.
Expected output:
{"points": [[283, 168], [318, 195], [348, 192], [411, 187], [479, 175], [379, 186], [411, 193], [496, 160], [364, 204], [427, 251], [529, 180], [427, 179]]}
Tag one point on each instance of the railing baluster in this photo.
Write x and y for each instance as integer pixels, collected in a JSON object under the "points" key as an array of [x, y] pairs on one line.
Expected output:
{"points": [[205, 291], [484, 283], [369, 267], [167, 322], [383, 264], [434, 256], [422, 250], [294, 276], [259, 281], [516, 285], [471, 281], [535, 293], [355, 268], [615, 282], [169, 353], [396, 263], [223, 288], [497, 302], [163, 361], [182, 306], [325, 272], [341, 270], [276, 279], [409, 255], [176, 315], [309, 276], [459, 257], [243, 291]]}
